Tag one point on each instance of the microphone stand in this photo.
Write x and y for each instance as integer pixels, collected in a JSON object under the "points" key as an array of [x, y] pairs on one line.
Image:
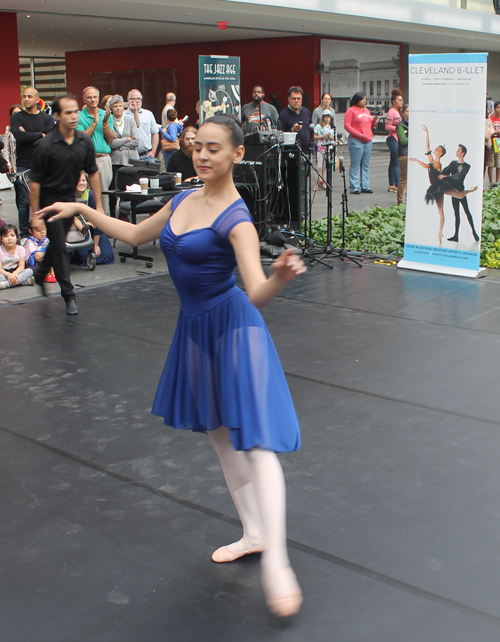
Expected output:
{"points": [[329, 250], [308, 246], [341, 252]]}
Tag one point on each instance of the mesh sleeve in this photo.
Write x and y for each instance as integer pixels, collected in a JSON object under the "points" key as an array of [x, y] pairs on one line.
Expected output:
{"points": [[235, 214]]}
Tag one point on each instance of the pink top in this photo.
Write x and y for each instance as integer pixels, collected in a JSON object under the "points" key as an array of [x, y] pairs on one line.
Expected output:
{"points": [[11, 261], [359, 123], [392, 121]]}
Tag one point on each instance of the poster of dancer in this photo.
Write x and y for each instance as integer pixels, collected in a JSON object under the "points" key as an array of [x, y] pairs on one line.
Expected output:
{"points": [[219, 78], [445, 163]]}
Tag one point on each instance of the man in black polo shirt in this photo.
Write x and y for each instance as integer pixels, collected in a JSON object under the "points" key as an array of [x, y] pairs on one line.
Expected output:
{"points": [[181, 161], [58, 161], [28, 127]]}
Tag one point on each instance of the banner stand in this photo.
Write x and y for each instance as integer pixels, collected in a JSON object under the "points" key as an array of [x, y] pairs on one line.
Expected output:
{"points": [[445, 163], [442, 269]]}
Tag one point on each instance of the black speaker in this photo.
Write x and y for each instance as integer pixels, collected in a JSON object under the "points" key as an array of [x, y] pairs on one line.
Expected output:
{"points": [[255, 179], [293, 197]]}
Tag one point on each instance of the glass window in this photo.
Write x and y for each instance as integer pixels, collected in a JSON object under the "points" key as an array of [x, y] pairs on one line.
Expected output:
{"points": [[386, 87], [364, 86], [379, 87], [371, 87]]}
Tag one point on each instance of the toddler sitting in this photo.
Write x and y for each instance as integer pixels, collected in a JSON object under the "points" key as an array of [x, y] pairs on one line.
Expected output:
{"points": [[35, 248]]}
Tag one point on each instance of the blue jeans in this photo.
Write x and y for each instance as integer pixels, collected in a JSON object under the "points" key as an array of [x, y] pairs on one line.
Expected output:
{"points": [[166, 157], [394, 171], [23, 209], [360, 154], [148, 159]]}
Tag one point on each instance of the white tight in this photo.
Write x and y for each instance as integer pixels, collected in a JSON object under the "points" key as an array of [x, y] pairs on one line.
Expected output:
{"points": [[257, 486]]}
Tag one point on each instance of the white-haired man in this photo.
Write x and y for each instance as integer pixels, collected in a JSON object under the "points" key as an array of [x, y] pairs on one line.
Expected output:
{"points": [[98, 124], [146, 124]]}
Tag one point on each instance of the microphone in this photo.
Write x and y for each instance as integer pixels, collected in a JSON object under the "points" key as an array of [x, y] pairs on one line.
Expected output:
{"points": [[311, 127], [341, 163]]}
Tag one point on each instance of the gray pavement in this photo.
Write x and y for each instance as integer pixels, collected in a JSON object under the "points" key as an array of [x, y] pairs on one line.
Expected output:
{"points": [[80, 276]]}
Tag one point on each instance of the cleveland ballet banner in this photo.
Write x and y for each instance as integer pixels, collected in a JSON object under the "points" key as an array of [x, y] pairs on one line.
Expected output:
{"points": [[447, 98], [219, 78]]}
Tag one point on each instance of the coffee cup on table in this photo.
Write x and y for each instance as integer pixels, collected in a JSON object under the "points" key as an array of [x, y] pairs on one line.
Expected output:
{"points": [[144, 182], [178, 179], [154, 183]]}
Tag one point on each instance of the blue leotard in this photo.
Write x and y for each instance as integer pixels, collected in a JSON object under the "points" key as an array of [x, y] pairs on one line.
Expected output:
{"points": [[222, 367]]}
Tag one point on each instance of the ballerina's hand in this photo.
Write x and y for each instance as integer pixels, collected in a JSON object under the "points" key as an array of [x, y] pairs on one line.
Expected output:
{"points": [[57, 211], [288, 266], [424, 128]]}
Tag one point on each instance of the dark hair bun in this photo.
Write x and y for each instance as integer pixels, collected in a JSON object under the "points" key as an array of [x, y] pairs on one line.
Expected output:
{"points": [[232, 124]]}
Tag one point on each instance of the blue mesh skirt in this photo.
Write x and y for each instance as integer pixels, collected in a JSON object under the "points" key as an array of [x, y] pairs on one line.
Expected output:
{"points": [[223, 369]]}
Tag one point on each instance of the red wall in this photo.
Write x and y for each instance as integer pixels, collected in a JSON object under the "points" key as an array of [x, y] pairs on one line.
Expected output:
{"points": [[10, 82], [276, 63]]}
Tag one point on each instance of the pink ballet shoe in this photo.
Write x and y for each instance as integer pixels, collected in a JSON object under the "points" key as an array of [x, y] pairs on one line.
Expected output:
{"points": [[225, 554], [283, 594]]}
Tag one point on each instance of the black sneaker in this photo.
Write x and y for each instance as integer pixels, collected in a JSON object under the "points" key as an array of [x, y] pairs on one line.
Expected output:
{"points": [[71, 307], [367, 191]]}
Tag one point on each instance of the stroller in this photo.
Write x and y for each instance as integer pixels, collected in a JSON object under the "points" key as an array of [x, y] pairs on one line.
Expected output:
{"points": [[75, 239]]}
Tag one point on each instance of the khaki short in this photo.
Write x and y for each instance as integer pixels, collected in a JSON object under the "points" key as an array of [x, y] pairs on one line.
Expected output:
{"points": [[494, 159]]}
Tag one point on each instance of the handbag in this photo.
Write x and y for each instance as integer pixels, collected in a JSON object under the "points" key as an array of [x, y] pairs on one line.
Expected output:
{"points": [[75, 235], [496, 147]]}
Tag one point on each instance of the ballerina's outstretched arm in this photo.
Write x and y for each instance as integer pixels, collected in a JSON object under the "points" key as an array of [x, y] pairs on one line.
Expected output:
{"points": [[428, 145], [422, 164], [135, 235]]}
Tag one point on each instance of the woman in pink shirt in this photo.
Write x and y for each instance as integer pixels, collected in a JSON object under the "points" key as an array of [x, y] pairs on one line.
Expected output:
{"points": [[392, 121], [359, 123]]}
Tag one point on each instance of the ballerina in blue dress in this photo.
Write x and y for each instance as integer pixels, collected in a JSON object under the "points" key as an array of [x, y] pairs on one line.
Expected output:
{"points": [[222, 374]]}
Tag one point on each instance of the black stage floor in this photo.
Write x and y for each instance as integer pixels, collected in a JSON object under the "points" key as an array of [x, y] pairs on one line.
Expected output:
{"points": [[109, 518]]}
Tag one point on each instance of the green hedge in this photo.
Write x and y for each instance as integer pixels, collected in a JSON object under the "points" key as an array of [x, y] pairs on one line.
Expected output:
{"points": [[381, 231]]}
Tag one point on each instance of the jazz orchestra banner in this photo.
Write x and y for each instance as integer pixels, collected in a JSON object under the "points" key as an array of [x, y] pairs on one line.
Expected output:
{"points": [[447, 99], [219, 78]]}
